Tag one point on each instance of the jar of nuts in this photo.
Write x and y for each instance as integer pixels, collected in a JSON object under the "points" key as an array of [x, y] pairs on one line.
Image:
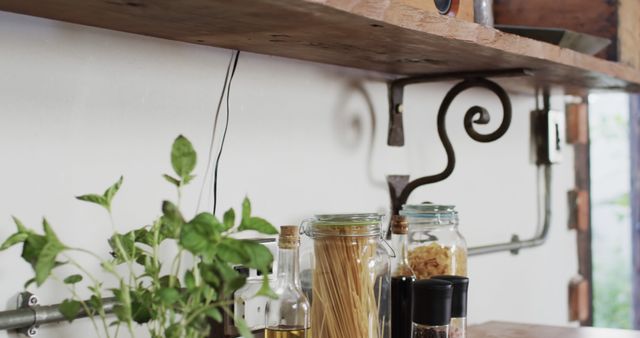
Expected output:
{"points": [[436, 247]]}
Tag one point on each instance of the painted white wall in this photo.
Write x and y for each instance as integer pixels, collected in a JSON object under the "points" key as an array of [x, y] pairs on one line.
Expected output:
{"points": [[80, 106]]}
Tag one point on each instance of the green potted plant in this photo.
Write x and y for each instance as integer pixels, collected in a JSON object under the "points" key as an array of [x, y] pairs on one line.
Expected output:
{"points": [[173, 299]]}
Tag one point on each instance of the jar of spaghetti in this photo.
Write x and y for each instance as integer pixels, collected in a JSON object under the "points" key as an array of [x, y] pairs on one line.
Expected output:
{"points": [[436, 247], [350, 277]]}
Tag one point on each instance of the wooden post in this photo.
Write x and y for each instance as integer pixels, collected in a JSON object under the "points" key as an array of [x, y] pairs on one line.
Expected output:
{"points": [[581, 288]]}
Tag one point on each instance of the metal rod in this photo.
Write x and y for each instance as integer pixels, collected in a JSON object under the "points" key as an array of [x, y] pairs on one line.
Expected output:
{"points": [[516, 244], [37, 315]]}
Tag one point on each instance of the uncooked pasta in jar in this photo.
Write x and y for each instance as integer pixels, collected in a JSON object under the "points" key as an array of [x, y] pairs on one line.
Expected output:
{"points": [[434, 259]]}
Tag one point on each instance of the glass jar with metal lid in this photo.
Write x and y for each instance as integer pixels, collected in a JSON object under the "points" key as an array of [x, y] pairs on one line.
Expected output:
{"points": [[436, 247], [350, 277]]}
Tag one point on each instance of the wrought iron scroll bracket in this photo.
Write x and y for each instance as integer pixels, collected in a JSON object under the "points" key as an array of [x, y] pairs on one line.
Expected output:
{"points": [[400, 187]]}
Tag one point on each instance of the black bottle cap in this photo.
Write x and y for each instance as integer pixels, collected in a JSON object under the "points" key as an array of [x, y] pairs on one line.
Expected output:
{"points": [[459, 299], [432, 302]]}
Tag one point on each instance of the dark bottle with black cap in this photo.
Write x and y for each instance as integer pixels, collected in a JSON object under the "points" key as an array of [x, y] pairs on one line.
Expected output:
{"points": [[431, 308], [402, 278], [458, 326]]}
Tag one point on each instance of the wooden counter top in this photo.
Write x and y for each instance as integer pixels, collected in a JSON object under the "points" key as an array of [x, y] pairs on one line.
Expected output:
{"points": [[513, 330]]}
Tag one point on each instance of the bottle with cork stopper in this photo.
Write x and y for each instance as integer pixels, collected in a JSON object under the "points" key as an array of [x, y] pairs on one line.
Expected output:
{"points": [[288, 316]]}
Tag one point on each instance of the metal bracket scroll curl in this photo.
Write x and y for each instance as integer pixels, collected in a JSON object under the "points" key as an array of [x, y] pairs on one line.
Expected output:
{"points": [[400, 186]]}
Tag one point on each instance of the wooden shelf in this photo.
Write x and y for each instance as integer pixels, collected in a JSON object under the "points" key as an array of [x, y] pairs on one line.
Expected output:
{"points": [[512, 330], [392, 38]]}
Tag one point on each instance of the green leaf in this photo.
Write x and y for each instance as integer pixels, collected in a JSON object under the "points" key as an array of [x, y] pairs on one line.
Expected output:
{"points": [[168, 296], [243, 329], [229, 219], [73, 279], [265, 289], [124, 247], [172, 180], [18, 237], [183, 157], [220, 273], [201, 235], [94, 303], [171, 221], [260, 256], [141, 304], [167, 281], [47, 261], [174, 331], [32, 248], [194, 240], [69, 309], [144, 236], [232, 250], [49, 234], [97, 199], [121, 313], [214, 314], [112, 190], [189, 280], [207, 221], [209, 276], [246, 209], [19, 224], [258, 224]]}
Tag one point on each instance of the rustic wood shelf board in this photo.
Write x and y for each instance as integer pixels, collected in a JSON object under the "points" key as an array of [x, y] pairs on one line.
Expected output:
{"points": [[386, 36], [513, 330]]}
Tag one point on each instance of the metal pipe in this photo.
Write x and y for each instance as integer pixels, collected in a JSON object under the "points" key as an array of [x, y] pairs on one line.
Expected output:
{"points": [[34, 316], [17, 319], [516, 244]]}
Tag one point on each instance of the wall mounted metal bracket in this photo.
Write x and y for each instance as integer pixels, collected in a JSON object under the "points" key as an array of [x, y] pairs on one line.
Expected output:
{"points": [[400, 186]]}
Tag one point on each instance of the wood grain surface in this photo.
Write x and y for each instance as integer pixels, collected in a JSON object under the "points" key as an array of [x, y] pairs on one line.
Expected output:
{"points": [[513, 330], [388, 36]]}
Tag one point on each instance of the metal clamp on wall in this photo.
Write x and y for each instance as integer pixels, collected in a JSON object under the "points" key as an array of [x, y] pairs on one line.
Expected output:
{"points": [[29, 315], [547, 126]]}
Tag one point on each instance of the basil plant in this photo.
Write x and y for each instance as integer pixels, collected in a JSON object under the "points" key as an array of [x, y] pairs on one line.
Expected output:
{"points": [[175, 298]]}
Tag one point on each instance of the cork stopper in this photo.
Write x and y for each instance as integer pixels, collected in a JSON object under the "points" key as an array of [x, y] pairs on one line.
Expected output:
{"points": [[399, 225], [289, 237]]}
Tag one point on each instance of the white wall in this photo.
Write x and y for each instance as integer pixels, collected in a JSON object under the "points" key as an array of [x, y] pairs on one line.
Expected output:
{"points": [[79, 106]]}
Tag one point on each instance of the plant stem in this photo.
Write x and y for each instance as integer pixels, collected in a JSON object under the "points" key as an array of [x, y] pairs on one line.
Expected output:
{"points": [[81, 301]]}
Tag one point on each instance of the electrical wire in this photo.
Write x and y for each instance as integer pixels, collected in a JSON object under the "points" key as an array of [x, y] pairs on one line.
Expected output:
{"points": [[224, 134], [232, 63]]}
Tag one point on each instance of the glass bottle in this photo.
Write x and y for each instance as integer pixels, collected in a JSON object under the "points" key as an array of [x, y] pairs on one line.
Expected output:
{"points": [[458, 326], [431, 308], [436, 247], [288, 316], [402, 278], [350, 277]]}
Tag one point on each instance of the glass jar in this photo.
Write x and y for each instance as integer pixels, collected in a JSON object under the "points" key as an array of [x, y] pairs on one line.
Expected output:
{"points": [[436, 247], [350, 277]]}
